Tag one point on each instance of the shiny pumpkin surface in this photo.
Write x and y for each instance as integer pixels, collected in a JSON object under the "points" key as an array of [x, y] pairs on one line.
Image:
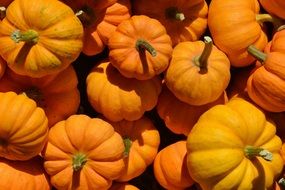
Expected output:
{"points": [[217, 147]]}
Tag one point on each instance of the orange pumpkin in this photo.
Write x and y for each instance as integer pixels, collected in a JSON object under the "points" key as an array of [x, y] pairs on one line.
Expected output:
{"points": [[178, 116], [100, 19], [140, 48], [21, 175], [266, 85], [142, 141], [275, 7], [170, 167], [40, 41], [198, 72], [56, 94], [23, 127], [123, 186], [83, 153], [184, 20], [117, 97], [2, 67]]}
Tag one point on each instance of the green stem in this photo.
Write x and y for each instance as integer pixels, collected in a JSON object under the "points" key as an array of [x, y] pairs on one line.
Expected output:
{"points": [[2, 13], [277, 22], [78, 161], [174, 13], [202, 60], [128, 145], [29, 36], [259, 55], [281, 182], [142, 45], [251, 152]]}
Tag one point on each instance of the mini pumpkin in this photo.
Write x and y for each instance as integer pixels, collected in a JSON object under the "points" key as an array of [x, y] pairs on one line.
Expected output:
{"points": [[23, 127], [140, 48], [40, 41], [118, 97], [234, 146], [83, 153]]}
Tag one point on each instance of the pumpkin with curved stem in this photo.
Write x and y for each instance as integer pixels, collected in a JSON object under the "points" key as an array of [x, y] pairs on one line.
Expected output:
{"points": [[198, 72], [170, 167], [117, 97], [23, 127], [266, 85], [235, 25], [2, 67], [142, 141], [20, 175], [140, 48], [56, 94], [83, 153], [275, 7], [40, 41], [184, 20], [122, 186], [234, 146]]}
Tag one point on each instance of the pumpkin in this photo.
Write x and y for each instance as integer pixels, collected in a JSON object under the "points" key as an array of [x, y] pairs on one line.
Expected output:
{"points": [[40, 41], [2, 67], [20, 175], [179, 117], [184, 20], [100, 19], [266, 85], [275, 7], [80, 154], [23, 127], [140, 48], [198, 72], [56, 94], [235, 25], [117, 97], [141, 139], [123, 186], [234, 146], [170, 167]]}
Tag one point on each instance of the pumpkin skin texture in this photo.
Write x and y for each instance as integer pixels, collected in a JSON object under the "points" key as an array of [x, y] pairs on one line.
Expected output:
{"points": [[42, 46], [170, 167], [275, 7], [233, 146], [197, 81], [20, 175], [52, 93], [225, 20], [180, 117], [184, 20], [123, 186], [117, 97], [80, 154], [141, 141], [140, 48], [2, 67], [23, 127], [266, 85]]}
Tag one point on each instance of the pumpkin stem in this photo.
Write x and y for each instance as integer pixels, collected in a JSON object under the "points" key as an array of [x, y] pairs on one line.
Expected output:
{"points": [[251, 152], [78, 161], [142, 45], [86, 16], [202, 60], [259, 55], [2, 12], [128, 145], [173, 13], [30, 36], [277, 22], [281, 182]]}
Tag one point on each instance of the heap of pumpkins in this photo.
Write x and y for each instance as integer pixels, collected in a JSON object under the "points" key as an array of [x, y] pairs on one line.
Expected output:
{"points": [[212, 71]]}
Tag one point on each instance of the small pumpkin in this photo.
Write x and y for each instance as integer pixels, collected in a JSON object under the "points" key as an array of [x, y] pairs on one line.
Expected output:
{"points": [[117, 97], [184, 20], [23, 127], [198, 72], [123, 186], [56, 94], [275, 7], [20, 175], [266, 85], [2, 67], [170, 167], [234, 146], [140, 48], [40, 41], [141, 139], [83, 153]]}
